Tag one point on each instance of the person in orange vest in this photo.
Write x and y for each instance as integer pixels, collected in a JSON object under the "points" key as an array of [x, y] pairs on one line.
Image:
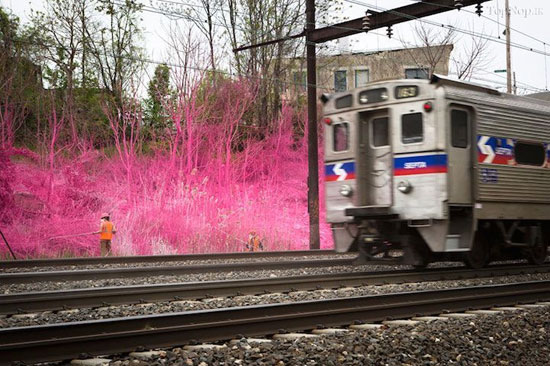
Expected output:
{"points": [[106, 231], [254, 243]]}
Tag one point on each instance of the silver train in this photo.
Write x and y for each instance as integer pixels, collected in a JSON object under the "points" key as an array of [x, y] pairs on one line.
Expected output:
{"points": [[442, 170]]}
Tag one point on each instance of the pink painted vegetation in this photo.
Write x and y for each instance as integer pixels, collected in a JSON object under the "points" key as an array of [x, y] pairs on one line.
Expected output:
{"points": [[200, 186]]}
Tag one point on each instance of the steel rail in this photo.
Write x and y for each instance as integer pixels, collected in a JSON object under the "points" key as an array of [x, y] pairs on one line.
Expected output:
{"points": [[93, 297], [56, 262], [96, 274], [69, 340]]}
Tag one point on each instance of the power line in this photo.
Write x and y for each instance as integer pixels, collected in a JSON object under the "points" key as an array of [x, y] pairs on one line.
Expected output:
{"points": [[179, 16], [175, 65], [442, 25], [544, 43], [526, 86], [230, 74], [482, 16]]}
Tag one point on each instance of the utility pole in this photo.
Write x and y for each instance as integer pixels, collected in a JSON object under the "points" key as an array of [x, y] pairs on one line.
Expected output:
{"points": [[508, 50], [313, 36], [515, 84], [312, 148]]}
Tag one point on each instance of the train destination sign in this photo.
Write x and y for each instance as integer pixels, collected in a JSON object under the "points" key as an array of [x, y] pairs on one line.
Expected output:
{"points": [[402, 92]]}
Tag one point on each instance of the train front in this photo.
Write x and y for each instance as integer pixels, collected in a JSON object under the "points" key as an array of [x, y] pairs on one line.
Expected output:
{"points": [[385, 166]]}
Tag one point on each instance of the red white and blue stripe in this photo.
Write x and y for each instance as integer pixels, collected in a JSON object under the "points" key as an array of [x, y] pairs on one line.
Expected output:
{"points": [[340, 171], [420, 164]]}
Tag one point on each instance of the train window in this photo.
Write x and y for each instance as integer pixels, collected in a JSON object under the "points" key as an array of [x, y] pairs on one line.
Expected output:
{"points": [[459, 128], [529, 153], [340, 137], [411, 128], [380, 132], [344, 102], [373, 96]]}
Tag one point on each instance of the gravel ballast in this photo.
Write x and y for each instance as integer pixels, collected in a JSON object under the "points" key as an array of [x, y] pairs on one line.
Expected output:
{"points": [[186, 262], [510, 338], [194, 277], [222, 302]]}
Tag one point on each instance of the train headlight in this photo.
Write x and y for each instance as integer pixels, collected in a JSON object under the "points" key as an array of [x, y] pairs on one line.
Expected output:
{"points": [[404, 186], [346, 190]]}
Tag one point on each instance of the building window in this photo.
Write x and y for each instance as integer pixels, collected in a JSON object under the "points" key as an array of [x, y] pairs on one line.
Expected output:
{"points": [[459, 128], [340, 80], [340, 133], [528, 153], [411, 128], [299, 80], [361, 78], [380, 135], [417, 73]]}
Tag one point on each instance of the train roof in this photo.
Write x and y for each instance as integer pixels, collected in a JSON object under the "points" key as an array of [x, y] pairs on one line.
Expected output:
{"points": [[457, 90]]}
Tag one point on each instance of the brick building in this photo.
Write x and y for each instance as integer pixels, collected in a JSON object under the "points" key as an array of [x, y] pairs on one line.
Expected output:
{"points": [[346, 71]]}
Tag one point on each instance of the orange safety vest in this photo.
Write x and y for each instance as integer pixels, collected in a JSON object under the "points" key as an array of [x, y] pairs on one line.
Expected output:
{"points": [[106, 232], [254, 243]]}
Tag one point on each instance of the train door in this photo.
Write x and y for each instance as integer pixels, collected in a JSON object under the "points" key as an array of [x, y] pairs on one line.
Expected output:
{"points": [[460, 156], [375, 159]]}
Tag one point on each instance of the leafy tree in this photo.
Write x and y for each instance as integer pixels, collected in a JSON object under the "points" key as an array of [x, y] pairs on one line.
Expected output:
{"points": [[159, 91], [20, 81]]}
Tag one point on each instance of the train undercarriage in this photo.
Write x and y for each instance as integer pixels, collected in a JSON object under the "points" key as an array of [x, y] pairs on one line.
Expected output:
{"points": [[395, 242]]}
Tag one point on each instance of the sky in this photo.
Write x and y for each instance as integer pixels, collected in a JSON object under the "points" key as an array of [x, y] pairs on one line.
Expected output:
{"points": [[530, 17]]}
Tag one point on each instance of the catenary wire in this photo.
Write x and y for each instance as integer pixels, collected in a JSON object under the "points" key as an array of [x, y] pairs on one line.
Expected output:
{"points": [[482, 16], [163, 12], [442, 25], [299, 84]]}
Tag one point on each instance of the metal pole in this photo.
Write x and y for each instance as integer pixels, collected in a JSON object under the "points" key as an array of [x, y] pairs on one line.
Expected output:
{"points": [[508, 50], [515, 84], [11, 251], [313, 158]]}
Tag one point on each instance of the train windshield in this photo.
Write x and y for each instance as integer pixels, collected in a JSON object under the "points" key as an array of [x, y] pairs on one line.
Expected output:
{"points": [[340, 141], [412, 129]]}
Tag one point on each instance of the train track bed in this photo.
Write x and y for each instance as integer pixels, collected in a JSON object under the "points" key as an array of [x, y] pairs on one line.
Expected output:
{"points": [[280, 292], [510, 338], [68, 264], [472, 339]]}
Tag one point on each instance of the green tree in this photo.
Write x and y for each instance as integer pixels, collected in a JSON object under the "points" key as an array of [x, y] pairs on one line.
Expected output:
{"points": [[159, 91], [20, 81]]}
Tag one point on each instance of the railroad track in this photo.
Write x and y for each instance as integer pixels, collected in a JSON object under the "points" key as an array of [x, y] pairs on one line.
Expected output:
{"points": [[96, 274], [59, 262], [94, 297], [69, 340]]}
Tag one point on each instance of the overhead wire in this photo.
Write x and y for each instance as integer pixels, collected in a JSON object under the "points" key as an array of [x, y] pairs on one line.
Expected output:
{"points": [[176, 16], [482, 16], [544, 43], [441, 25], [164, 12], [526, 86], [450, 27], [231, 74]]}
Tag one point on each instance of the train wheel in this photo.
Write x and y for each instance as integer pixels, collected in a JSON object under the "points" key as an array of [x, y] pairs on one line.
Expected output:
{"points": [[479, 255]]}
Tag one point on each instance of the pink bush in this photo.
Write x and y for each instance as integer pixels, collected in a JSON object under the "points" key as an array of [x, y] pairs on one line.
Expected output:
{"points": [[204, 191]]}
